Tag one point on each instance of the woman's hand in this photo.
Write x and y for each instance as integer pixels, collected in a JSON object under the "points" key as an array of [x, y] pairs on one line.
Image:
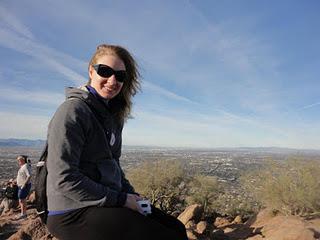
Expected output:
{"points": [[131, 202]]}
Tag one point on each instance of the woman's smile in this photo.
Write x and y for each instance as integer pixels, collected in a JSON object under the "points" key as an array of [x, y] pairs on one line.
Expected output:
{"points": [[107, 87]]}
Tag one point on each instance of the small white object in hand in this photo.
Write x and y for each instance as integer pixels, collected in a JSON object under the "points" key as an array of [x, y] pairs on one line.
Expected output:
{"points": [[146, 206]]}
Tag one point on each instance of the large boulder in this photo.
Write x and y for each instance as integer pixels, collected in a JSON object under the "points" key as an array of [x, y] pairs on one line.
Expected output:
{"points": [[287, 228], [193, 212], [275, 226]]}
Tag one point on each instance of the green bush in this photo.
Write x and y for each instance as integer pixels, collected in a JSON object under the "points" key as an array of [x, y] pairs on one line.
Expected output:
{"points": [[232, 204], [163, 182], [203, 190], [291, 187]]}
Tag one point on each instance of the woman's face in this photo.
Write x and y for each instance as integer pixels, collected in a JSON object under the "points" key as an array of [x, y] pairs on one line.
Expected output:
{"points": [[21, 161], [107, 87]]}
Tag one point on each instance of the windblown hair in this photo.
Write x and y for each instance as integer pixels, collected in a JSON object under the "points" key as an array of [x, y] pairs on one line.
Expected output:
{"points": [[121, 104], [24, 157]]}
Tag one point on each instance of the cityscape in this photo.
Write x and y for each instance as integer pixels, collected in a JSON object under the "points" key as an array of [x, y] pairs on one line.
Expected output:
{"points": [[226, 164]]}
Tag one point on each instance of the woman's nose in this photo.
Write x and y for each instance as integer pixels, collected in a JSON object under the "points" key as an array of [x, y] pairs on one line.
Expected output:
{"points": [[112, 80]]}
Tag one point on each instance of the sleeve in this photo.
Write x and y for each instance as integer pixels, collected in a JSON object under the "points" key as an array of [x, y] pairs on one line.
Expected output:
{"points": [[27, 170], [66, 139], [126, 186]]}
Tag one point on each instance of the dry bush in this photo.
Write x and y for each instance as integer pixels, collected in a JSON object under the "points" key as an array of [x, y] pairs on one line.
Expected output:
{"points": [[203, 190], [163, 182], [292, 187], [235, 203]]}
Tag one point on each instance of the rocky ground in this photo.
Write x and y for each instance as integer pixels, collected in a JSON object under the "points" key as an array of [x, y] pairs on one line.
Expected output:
{"points": [[266, 225]]}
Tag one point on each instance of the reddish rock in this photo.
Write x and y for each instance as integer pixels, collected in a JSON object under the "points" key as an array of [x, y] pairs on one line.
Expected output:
{"points": [[33, 229], [287, 228], [279, 227], [228, 230], [221, 222], [190, 225], [237, 220], [191, 235], [192, 212], [202, 227], [256, 237]]}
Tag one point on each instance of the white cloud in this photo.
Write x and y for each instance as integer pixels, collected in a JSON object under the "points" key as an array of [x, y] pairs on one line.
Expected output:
{"points": [[14, 23], [311, 105], [39, 51]]}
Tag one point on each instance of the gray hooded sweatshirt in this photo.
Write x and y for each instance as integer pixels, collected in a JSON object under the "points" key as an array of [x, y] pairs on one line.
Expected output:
{"points": [[83, 168]]}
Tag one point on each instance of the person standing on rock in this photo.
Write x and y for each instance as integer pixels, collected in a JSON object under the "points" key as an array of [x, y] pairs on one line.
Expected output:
{"points": [[24, 184], [88, 194]]}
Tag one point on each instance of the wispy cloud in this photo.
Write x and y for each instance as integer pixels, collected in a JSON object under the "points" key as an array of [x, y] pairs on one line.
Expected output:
{"points": [[164, 92], [311, 105], [34, 97], [39, 51], [14, 23], [57, 60]]}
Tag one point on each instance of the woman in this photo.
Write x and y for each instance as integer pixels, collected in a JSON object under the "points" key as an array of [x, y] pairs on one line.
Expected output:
{"points": [[88, 194], [24, 184]]}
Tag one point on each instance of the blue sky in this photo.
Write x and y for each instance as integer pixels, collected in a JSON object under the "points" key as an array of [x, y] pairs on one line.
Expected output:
{"points": [[215, 73]]}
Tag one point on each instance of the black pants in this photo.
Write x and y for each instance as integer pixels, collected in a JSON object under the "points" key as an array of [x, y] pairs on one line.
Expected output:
{"points": [[115, 224]]}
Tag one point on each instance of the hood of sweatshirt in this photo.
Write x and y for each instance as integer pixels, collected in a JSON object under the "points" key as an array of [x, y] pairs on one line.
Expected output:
{"points": [[100, 106]]}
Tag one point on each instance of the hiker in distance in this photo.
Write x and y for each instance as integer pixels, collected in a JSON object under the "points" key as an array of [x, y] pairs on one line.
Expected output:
{"points": [[24, 183], [88, 194], [10, 199]]}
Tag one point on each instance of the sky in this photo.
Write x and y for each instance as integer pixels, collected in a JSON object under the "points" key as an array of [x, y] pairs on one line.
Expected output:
{"points": [[214, 73]]}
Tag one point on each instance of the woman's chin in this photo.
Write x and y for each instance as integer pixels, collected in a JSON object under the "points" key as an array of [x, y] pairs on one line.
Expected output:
{"points": [[107, 94]]}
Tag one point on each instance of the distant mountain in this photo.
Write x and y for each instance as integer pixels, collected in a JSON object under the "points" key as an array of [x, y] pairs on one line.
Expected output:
{"points": [[279, 150], [13, 142]]}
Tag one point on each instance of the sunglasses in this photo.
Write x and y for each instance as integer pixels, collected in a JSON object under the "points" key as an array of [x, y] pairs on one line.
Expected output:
{"points": [[106, 72]]}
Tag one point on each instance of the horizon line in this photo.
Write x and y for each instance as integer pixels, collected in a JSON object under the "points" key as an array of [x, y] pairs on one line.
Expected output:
{"points": [[185, 147]]}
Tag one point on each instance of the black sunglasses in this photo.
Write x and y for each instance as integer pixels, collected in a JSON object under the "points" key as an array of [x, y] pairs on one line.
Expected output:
{"points": [[106, 72]]}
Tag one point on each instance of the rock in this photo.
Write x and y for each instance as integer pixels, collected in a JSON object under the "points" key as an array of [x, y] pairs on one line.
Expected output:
{"points": [[228, 230], [279, 227], [261, 218], [191, 235], [190, 225], [192, 212], [256, 237], [287, 228], [221, 222], [202, 227], [7, 228], [33, 229], [237, 220]]}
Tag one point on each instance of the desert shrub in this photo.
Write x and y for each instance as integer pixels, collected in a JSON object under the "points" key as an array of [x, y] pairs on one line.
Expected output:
{"points": [[233, 203], [292, 187], [203, 190], [163, 182]]}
